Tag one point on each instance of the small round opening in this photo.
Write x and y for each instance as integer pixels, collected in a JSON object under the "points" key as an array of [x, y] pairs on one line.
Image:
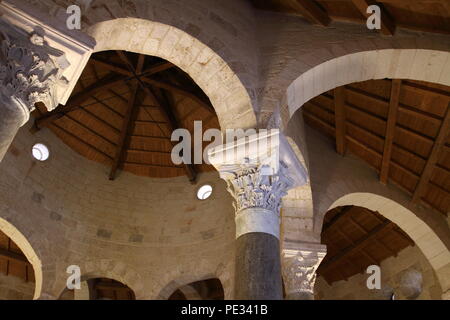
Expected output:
{"points": [[40, 152], [204, 192]]}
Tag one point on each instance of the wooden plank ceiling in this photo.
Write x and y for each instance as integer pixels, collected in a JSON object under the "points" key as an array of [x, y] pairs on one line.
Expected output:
{"points": [[12, 261], [399, 128], [420, 15], [123, 111], [356, 238]]}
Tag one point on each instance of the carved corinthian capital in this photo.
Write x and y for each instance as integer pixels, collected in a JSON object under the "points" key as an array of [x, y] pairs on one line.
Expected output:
{"points": [[251, 188], [259, 170], [299, 268], [40, 59], [30, 71]]}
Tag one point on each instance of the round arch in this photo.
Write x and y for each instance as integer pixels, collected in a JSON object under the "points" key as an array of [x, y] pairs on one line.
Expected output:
{"points": [[24, 245], [111, 269], [212, 74], [182, 281], [428, 242], [414, 64]]}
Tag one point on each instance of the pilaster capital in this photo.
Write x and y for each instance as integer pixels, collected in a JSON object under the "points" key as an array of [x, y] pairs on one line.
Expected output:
{"points": [[299, 266]]}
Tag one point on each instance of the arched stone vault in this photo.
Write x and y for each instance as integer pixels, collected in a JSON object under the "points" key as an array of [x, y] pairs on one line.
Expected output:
{"points": [[415, 64], [196, 272], [424, 237], [21, 241], [223, 87], [105, 268]]}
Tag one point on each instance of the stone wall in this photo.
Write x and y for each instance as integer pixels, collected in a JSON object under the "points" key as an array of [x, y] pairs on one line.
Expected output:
{"points": [[393, 271], [14, 288], [141, 231]]}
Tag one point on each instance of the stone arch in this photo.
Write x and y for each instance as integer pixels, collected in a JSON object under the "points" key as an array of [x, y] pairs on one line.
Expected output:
{"points": [[21, 241], [184, 281], [111, 269], [425, 238], [212, 74], [414, 64]]}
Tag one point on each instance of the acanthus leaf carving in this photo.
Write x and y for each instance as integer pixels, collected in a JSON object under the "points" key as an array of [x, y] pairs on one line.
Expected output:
{"points": [[250, 187], [300, 269], [30, 70]]}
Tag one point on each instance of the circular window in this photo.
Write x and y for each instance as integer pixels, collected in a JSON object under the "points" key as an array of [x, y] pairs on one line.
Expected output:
{"points": [[40, 152], [204, 192]]}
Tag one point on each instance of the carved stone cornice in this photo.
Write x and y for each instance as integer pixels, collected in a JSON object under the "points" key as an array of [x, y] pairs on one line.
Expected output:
{"points": [[30, 70], [299, 266]]}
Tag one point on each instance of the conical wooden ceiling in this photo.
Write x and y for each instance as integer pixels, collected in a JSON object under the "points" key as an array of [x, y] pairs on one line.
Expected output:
{"points": [[123, 111]]}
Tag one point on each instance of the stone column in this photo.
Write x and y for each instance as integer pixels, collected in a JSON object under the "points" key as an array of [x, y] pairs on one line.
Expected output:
{"points": [[300, 263], [38, 63], [257, 178]]}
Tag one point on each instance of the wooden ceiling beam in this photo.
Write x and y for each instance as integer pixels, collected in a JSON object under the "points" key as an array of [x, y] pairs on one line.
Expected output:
{"points": [[148, 151], [339, 216], [159, 67], [130, 117], [158, 83], [75, 102], [166, 109], [339, 107], [358, 245], [311, 11], [433, 158], [390, 130], [85, 143], [387, 22], [152, 165], [12, 256]]}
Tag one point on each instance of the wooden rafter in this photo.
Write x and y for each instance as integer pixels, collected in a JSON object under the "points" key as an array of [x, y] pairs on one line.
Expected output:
{"points": [[358, 245], [119, 69], [387, 22], [339, 216], [12, 255], [128, 122], [158, 83], [433, 158], [166, 110], [75, 102], [339, 104], [81, 141], [390, 129], [311, 11]]}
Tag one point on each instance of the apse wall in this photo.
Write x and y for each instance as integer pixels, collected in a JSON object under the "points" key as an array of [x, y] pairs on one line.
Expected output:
{"points": [[394, 272], [146, 232]]}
